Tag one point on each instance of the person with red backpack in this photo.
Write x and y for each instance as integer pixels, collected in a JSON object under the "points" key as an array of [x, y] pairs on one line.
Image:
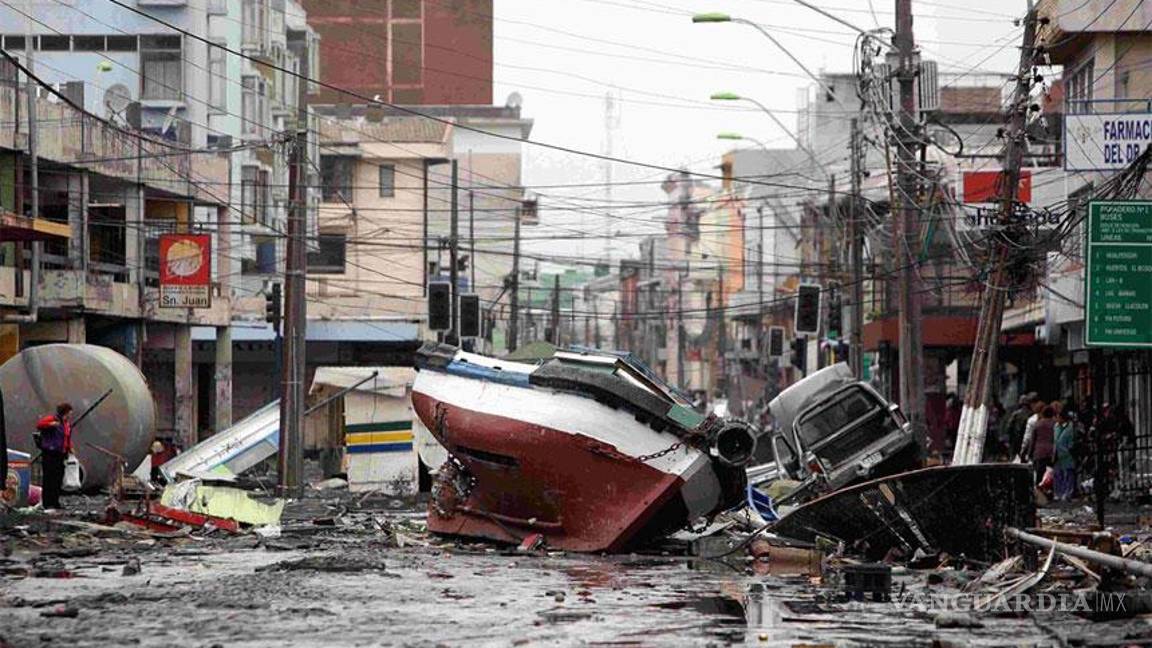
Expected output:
{"points": [[55, 445]]}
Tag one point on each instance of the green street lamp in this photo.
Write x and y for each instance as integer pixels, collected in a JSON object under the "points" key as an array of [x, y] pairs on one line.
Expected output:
{"points": [[711, 17], [741, 138], [732, 96], [716, 17]]}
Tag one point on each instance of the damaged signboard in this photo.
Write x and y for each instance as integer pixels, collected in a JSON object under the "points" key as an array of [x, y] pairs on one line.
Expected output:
{"points": [[920, 511]]}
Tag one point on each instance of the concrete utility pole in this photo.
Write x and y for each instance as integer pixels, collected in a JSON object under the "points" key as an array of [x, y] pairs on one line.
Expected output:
{"points": [[453, 336], [514, 299], [556, 310], [681, 374], [856, 258], [471, 238], [291, 457], [424, 243], [906, 229], [722, 332], [761, 356], [974, 418]]}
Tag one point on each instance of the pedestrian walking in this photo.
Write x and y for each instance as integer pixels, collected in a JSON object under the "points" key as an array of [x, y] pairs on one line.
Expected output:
{"points": [[1012, 425], [55, 444], [1037, 406], [1043, 442], [1065, 455]]}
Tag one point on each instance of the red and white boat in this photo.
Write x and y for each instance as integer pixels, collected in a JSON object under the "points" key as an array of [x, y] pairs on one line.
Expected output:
{"points": [[589, 450]]}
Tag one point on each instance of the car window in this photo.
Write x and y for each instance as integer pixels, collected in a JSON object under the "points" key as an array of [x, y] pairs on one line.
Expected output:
{"points": [[841, 411]]}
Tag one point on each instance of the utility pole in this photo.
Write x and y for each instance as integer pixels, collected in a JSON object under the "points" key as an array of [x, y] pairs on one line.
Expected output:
{"points": [[291, 457], [974, 418], [556, 310], [856, 258], [424, 241], [453, 336], [906, 230], [472, 237], [595, 320], [514, 299], [34, 166], [721, 333], [761, 357], [682, 381]]}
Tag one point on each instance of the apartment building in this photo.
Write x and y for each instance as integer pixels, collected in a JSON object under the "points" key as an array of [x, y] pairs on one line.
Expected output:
{"points": [[171, 72], [404, 51], [83, 265]]}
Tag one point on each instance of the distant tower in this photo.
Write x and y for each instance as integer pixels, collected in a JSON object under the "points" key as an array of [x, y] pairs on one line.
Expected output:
{"points": [[611, 125]]}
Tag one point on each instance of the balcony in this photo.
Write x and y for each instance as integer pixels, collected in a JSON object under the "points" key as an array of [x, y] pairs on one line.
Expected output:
{"points": [[67, 136]]}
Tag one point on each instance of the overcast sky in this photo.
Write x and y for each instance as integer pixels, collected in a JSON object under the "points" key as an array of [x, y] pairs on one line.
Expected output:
{"points": [[563, 57]]}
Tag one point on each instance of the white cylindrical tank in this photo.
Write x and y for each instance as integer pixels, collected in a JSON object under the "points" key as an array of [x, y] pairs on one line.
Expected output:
{"points": [[41, 377]]}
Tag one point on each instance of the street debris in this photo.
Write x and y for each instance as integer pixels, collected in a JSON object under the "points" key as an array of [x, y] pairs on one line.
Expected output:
{"points": [[221, 502]]}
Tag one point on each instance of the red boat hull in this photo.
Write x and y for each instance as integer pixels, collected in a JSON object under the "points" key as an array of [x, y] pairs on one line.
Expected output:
{"points": [[580, 493]]}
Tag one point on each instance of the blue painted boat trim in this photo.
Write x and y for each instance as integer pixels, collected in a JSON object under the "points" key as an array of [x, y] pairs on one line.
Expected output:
{"points": [[379, 447], [468, 370]]}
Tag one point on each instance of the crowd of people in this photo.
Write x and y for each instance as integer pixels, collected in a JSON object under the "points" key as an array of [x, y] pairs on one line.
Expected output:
{"points": [[1072, 451]]}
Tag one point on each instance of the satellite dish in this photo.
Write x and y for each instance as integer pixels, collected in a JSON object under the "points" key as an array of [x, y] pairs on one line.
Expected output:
{"points": [[514, 100], [116, 99]]}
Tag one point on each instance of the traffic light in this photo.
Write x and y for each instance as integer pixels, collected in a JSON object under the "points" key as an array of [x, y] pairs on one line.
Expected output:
{"points": [[808, 309], [776, 341], [800, 354], [439, 305], [834, 316], [273, 300], [469, 316]]}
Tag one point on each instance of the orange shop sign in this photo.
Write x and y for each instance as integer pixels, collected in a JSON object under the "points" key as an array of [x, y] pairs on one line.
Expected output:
{"points": [[185, 271]]}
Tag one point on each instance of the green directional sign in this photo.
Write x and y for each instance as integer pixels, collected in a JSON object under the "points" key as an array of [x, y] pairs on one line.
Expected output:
{"points": [[1118, 288]]}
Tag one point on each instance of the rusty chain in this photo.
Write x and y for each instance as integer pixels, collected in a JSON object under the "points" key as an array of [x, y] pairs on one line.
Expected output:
{"points": [[656, 455]]}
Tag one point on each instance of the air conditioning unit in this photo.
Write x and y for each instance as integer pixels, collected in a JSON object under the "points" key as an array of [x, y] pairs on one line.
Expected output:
{"points": [[926, 86]]}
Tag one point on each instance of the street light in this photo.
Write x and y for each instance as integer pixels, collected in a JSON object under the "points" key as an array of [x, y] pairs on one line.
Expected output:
{"points": [[717, 17], [732, 96], [712, 17], [738, 137]]}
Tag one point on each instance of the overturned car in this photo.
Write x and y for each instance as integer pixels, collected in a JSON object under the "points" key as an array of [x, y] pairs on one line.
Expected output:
{"points": [[833, 430]]}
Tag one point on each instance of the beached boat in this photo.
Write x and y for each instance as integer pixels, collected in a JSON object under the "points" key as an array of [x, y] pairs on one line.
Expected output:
{"points": [[589, 450]]}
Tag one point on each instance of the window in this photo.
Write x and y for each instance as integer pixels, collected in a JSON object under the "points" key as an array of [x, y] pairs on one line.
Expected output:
{"points": [[254, 108], [336, 177], [406, 9], [329, 255], [218, 78], [120, 43], [263, 198], [266, 257], [8, 73], [847, 407], [248, 179], [407, 53], [14, 42], [255, 19], [387, 180], [1080, 88], [55, 43], [161, 65], [88, 43]]}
